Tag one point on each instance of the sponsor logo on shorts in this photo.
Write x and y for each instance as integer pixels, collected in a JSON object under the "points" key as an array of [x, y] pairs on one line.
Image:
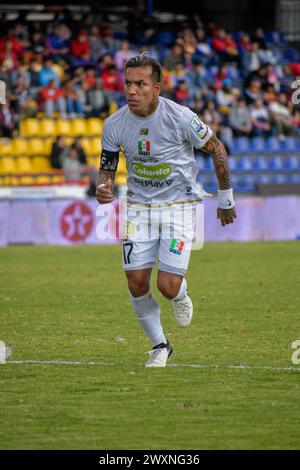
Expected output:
{"points": [[176, 246], [144, 147], [188, 190], [154, 184], [151, 172], [199, 127]]}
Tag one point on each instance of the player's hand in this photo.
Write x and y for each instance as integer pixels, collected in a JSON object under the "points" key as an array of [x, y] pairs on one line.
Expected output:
{"points": [[226, 216], [104, 193]]}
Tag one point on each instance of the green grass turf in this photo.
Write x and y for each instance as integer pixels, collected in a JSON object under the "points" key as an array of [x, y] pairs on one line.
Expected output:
{"points": [[71, 303]]}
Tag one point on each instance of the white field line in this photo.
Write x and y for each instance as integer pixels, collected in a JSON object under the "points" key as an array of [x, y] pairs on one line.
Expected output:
{"points": [[183, 365]]}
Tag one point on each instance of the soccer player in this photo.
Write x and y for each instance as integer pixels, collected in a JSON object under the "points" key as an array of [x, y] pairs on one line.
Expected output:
{"points": [[158, 137]]}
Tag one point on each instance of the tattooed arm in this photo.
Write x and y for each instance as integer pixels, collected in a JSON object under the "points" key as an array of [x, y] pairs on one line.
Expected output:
{"points": [[215, 147], [107, 172]]}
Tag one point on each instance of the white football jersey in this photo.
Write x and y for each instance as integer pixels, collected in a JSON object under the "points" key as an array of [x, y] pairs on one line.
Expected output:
{"points": [[159, 151]]}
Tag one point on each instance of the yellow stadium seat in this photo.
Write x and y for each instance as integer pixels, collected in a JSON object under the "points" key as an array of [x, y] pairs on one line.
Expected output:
{"points": [[24, 165], [120, 179], [63, 127], [122, 166], [94, 127], [113, 107], [94, 161], [30, 127], [47, 128], [79, 127], [37, 147], [43, 179], [20, 146], [86, 144], [8, 165], [26, 180], [48, 142], [41, 164], [6, 147], [95, 145]]}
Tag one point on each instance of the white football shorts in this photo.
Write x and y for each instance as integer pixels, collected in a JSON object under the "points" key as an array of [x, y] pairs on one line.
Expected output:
{"points": [[165, 232]]}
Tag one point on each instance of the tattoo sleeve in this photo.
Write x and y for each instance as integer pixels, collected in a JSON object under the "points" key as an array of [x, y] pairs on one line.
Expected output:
{"points": [[215, 147], [104, 175]]}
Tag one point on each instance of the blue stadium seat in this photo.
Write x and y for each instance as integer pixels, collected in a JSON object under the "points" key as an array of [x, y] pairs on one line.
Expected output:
{"points": [[261, 164], [245, 164], [232, 161], [292, 163], [289, 144], [241, 145], [294, 179], [247, 183], [279, 179], [258, 144], [263, 179], [277, 163], [273, 144], [209, 165], [200, 163]]}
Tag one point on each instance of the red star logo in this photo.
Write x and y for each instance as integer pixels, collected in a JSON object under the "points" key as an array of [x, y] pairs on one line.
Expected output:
{"points": [[76, 222]]}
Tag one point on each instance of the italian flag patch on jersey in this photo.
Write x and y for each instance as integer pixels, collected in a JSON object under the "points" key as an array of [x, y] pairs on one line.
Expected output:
{"points": [[144, 147], [176, 246]]}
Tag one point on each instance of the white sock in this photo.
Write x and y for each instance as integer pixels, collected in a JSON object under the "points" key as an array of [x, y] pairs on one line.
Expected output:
{"points": [[147, 310], [182, 290]]}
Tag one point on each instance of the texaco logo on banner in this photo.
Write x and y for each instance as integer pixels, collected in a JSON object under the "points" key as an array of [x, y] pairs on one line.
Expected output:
{"points": [[76, 222]]}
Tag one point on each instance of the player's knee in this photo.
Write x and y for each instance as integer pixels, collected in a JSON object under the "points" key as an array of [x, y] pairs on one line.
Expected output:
{"points": [[137, 285], [169, 287]]}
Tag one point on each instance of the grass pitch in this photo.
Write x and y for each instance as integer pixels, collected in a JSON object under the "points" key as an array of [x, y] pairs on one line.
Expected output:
{"points": [[71, 303]]}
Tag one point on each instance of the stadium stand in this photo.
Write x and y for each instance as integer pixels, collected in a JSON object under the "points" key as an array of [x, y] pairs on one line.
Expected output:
{"points": [[238, 82]]}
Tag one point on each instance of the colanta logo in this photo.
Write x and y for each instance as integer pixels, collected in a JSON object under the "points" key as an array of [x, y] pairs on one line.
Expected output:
{"points": [[151, 172]]}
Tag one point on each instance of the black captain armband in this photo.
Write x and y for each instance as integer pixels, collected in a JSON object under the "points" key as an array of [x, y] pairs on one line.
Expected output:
{"points": [[109, 160]]}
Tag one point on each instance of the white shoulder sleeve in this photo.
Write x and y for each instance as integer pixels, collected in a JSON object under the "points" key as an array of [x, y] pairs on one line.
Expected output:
{"points": [[109, 140], [194, 130]]}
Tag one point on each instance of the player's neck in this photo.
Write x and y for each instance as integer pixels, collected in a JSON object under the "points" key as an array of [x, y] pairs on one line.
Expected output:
{"points": [[150, 109]]}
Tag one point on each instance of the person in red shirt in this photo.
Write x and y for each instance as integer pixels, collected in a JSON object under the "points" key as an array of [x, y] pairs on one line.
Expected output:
{"points": [[225, 46], [53, 100], [80, 46]]}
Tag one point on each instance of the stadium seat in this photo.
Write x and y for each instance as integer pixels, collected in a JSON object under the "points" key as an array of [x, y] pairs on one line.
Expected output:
{"points": [[279, 179], [79, 127], [86, 144], [263, 179], [47, 128], [241, 145], [200, 163], [289, 144], [6, 147], [292, 163], [41, 164], [261, 164], [8, 165], [30, 127], [294, 179], [272, 144], [24, 165], [208, 165], [37, 147], [277, 163], [232, 161], [20, 146], [245, 164], [95, 145], [63, 127], [113, 107], [258, 144], [94, 127]]}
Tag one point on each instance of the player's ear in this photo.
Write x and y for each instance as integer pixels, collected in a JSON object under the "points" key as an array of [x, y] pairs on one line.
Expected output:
{"points": [[157, 88]]}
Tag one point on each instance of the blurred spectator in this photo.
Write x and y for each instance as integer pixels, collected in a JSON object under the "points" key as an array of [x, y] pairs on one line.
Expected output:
{"points": [[196, 79], [73, 102], [123, 54], [8, 120], [260, 119], [96, 44], [204, 50], [38, 43], [225, 96], [58, 43], [77, 146], [97, 100], [58, 152], [225, 46], [53, 100], [80, 46], [173, 57], [47, 73], [71, 166], [240, 119], [182, 95], [253, 91], [281, 117]]}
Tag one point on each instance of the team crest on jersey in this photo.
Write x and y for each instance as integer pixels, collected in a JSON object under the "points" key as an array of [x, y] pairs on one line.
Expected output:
{"points": [[144, 147], [144, 131], [176, 246], [199, 127]]}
